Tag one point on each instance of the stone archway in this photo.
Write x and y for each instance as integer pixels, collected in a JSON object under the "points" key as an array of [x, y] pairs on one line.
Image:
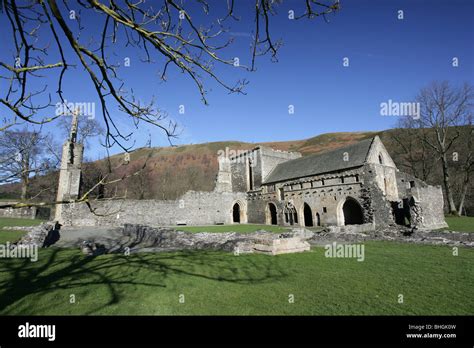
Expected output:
{"points": [[350, 212], [271, 214], [308, 215], [236, 211]]}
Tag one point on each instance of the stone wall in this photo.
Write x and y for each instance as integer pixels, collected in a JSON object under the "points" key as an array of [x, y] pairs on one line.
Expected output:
{"points": [[224, 176], [380, 206], [430, 201], [193, 208], [69, 175], [260, 161], [324, 194], [271, 158], [26, 213], [239, 176], [426, 202]]}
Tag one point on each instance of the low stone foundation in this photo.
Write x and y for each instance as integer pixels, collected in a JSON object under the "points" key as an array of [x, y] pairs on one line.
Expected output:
{"points": [[42, 235], [274, 245], [140, 238], [396, 234], [137, 238], [25, 212], [352, 228]]}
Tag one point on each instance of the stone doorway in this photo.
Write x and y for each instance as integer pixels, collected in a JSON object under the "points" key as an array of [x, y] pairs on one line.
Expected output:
{"points": [[352, 212], [272, 214], [236, 213], [308, 215]]}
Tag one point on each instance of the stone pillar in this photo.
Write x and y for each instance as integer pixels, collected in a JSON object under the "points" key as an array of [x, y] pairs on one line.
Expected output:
{"points": [[70, 172]]}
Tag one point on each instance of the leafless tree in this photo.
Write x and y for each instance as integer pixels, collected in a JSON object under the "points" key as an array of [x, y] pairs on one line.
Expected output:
{"points": [[87, 128], [168, 31], [443, 110], [465, 164], [23, 154], [412, 153], [139, 185]]}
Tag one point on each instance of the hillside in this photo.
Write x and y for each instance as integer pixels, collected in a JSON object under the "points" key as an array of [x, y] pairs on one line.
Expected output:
{"points": [[205, 155]]}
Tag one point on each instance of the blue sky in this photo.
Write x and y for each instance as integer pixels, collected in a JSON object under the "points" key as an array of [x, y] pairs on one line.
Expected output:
{"points": [[389, 59]]}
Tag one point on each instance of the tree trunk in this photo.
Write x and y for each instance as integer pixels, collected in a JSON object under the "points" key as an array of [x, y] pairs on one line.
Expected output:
{"points": [[447, 186], [463, 197], [25, 175], [24, 187], [464, 193]]}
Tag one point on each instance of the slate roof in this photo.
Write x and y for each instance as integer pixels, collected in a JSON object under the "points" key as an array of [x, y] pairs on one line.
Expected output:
{"points": [[321, 163]]}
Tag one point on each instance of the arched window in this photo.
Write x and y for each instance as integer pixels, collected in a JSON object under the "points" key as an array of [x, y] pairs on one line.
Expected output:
{"points": [[318, 219], [291, 216]]}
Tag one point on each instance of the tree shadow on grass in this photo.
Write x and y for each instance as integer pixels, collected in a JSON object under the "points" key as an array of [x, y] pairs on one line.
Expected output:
{"points": [[70, 270]]}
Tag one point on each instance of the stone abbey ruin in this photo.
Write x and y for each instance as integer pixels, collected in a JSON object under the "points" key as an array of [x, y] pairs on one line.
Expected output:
{"points": [[356, 185]]}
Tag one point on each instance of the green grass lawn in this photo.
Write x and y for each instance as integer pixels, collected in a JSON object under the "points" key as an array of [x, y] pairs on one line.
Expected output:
{"points": [[18, 222], [241, 228], [431, 280], [11, 235], [460, 223]]}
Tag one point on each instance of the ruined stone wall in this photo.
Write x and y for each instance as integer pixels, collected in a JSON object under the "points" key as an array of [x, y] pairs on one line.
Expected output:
{"points": [[379, 201], [69, 175], [70, 170], [256, 209], [239, 177], [193, 208], [224, 176], [271, 158], [386, 180], [430, 200], [263, 160], [257, 163], [426, 202], [406, 182], [244, 165], [25, 213], [384, 169]]}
